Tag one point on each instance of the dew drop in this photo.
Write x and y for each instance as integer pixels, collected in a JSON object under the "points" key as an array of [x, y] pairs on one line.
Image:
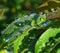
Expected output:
{"points": [[44, 14], [32, 37], [45, 24], [56, 40], [33, 14], [7, 40], [19, 24], [52, 44], [26, 16], [54, 10], [18, 19]]}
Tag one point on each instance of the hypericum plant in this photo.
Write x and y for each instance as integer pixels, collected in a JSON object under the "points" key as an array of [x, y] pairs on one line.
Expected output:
{"points": [[36, 30], [35, 33]]}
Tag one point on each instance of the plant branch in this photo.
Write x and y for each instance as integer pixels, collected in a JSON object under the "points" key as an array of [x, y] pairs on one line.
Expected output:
{"points": [[53, 15]]}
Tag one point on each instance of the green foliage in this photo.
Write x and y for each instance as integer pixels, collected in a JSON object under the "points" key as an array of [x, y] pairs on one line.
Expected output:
{"points": [[29, 26], [58, 51], [21, 39], [44, 38], [19, 27]]}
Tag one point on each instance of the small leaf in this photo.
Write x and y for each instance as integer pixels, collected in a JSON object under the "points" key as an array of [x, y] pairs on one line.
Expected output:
{"points": [[58, 51], [51, 32]]}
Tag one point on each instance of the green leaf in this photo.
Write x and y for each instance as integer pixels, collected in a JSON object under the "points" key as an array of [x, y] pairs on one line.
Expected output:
{"points": [[30, 40], [51, 32], [58, 51], [18, 41], [51, 46], [28, 43]]}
